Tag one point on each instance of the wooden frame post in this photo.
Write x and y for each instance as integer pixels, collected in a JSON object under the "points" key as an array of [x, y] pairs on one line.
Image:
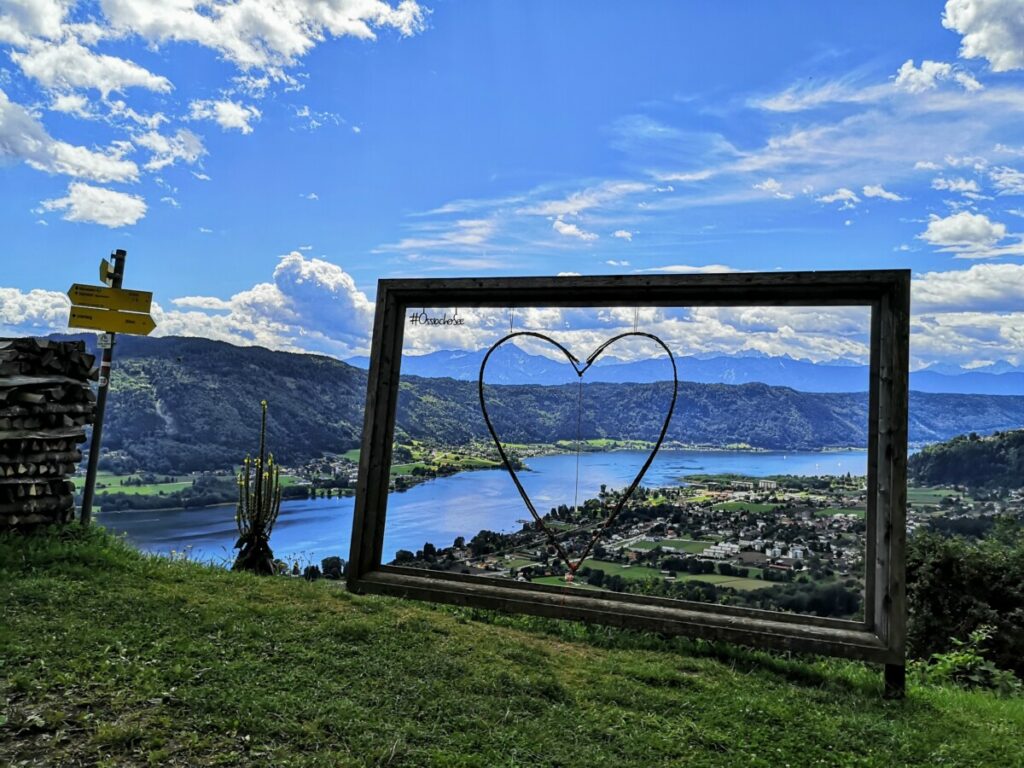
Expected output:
{"points": [[880, 637]]}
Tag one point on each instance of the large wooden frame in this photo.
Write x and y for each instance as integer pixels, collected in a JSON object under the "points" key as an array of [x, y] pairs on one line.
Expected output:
{"points": [[880, 637]]}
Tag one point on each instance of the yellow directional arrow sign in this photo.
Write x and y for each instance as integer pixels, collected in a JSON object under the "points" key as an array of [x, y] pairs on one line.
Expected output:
{"points": [[110, 298], [111, 321]]}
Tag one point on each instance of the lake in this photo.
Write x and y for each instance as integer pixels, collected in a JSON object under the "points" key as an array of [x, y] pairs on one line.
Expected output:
{"points": [[459, 505]]}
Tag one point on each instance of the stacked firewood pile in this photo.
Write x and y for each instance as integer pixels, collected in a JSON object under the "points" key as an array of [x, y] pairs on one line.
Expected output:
{"points": [[45, 403]]}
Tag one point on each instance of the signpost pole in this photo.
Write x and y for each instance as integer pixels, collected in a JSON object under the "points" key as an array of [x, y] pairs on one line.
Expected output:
{"points": [[89, 489]]}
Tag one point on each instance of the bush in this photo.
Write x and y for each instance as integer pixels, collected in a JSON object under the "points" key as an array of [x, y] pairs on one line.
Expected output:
{"points": [[956, 586], [967, 666]]}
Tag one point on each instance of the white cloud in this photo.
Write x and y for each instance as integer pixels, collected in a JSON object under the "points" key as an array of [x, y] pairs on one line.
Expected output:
{"points": [[623, 234], [617, 263], [97, 205], [201, 176], [599, 196], [1008, 181], [311, 196], [226, 113], [20, 22], [170, 201], [847, 197], [982, 288], [969, 235], [960, 184], [73, 104], [69, 64], [927, 77], [205, 230], [926, 165], [990, 29], [462, 234], [36, 312], [22, 137], [877, 190], [774, 188], [310, 305], [256, 34], [167, 150], [572, 230]]}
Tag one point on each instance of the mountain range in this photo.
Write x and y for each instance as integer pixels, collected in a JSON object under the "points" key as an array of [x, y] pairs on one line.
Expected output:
{"points": [[180, 404], [512, 365]]}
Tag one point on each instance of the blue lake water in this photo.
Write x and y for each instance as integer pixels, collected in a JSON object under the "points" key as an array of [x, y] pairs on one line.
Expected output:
{"points": [[460, 505]]}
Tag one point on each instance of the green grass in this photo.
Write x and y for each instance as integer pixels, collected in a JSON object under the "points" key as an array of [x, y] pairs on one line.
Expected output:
{"points": [[679, 545], [930, 495], [110, 658], [733, 582], [632, 573], [744, 506], [831, 511]]}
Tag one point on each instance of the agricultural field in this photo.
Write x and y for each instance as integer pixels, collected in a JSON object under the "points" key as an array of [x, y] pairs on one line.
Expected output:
{"points": [[630, 573], [733, 582], [744, 506], [832, 511], [107, 482], [679, 545]]}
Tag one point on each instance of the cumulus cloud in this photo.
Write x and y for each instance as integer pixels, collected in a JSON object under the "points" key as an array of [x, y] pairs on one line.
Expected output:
{"points": [[623, 234], [22, 137], [310, 305], [969, 235], [229, 115], [69, 64], [847, 197], [927, 77], [982, 288], [32, 312], [254, 34], [572, 230], [20, 22], [97, 205], [877, 190], [989, 29]]}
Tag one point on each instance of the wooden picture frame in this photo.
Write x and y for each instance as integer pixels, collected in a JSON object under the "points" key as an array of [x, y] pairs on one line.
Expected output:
{"points": [[880, 637]]}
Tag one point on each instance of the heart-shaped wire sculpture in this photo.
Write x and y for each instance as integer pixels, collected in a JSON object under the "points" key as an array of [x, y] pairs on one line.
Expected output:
{"points": [[580, 370]]}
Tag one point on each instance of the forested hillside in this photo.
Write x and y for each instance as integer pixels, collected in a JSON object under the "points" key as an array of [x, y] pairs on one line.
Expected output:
{"points": [[996, 461], [185, 403]]}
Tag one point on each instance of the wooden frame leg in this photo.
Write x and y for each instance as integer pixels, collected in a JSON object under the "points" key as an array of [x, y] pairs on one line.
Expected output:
{"points": [[895, 681]]}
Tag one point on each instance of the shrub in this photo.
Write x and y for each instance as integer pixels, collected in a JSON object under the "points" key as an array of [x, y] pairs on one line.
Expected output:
{"points": [[956, 586], [965, 665]]}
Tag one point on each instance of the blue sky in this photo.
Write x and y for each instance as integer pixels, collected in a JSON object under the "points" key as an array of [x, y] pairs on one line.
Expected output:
{"points": [[264, 163]]}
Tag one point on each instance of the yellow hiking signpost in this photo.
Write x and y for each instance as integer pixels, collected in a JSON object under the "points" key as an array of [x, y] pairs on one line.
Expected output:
{"points": [[110, 298], [111, 321], [111, 309]]}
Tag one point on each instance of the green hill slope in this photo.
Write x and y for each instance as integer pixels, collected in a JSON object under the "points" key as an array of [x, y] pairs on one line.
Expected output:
{"points": [[110, 658], [996, 461], [179, 404]]}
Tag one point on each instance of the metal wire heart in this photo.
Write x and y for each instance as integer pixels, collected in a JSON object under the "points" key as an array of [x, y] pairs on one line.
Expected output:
{"points": [[580, 369]]}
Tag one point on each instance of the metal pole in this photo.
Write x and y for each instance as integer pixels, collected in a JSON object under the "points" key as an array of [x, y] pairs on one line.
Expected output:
{"points": [[101, 402]]}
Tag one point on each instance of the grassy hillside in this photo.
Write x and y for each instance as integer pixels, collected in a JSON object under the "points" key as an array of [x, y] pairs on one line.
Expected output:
{"points": [[112, 658], [180, 404]]}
